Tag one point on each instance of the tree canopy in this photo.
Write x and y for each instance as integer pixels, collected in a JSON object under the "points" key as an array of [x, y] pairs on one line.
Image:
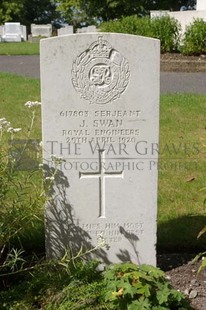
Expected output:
{"points": [[90, 11], [10, 10], [27, 11], [79, 12]]}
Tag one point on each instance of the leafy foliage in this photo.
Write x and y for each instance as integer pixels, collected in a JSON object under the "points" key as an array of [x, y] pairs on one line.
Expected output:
{"points": [[130, 24], [173, 5], [77, 12], [10, 10], [166, 29], [141, 287], [194, 42], [28, 11], [21, 202], [90, 11], [80, 11]]}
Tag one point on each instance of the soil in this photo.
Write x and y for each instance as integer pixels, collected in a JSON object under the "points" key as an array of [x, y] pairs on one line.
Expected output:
{"points": [[182, 274], [176, 62]]}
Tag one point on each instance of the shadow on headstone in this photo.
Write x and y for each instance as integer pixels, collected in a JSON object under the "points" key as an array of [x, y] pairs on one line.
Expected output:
{"points": [[124, 256], [62, 232]]}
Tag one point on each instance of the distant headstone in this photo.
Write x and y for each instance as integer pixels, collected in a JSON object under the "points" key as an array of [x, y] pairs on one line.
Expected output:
{"points": [[41, 30], [201, 5], [81, 30], [100, 97], [65, 30], [12, 32], [87, 29], [1, 32], [24, 33], [91, 28], [155, 14]]}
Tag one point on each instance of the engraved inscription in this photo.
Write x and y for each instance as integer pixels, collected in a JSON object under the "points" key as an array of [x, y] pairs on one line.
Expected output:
{"points": [[115, 232], [101, 175], [115, 126], [100, 74]]}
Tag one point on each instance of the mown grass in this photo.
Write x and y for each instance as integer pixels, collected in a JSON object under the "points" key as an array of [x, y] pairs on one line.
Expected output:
{"points": [[181, 200], [15, 92], [19, 48]]}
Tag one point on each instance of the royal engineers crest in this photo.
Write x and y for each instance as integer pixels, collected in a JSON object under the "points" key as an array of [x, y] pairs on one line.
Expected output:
{"points": [[100, 74]]}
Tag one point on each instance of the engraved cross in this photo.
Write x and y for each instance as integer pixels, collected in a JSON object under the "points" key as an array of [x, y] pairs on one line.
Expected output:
{"points": [[101, 174]]}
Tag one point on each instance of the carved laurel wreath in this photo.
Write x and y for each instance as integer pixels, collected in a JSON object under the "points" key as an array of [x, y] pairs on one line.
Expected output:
{"points": [[94, 93]]}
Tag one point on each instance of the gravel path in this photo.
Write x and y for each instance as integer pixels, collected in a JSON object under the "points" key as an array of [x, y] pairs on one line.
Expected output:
{"points": [[170, 82], [21, 65]]}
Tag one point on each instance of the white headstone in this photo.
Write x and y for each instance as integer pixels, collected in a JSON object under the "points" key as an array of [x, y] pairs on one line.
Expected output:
{"points": [[201, 5], [65, 30], [91, 28], [12, 32], [24, 32], [185, 18], [1, 30], [81, 30], [41, 30], [154, 14], [100, 97]]}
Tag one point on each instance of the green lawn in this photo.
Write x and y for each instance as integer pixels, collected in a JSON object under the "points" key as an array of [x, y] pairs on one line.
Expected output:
{"points": [[181, 203], [15, 92], [20, 48]]}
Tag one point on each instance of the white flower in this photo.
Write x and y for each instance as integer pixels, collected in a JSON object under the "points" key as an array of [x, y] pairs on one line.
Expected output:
{"points": [[4, 122], [57, 159], [101, 243], [16, 129], [10, 129], [50, 178], [13, 130], [31, 104]]}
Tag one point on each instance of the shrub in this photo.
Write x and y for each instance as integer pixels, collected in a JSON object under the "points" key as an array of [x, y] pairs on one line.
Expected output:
{"points": [[130, 24], [134, 287], [166, 29], [194, 42]]}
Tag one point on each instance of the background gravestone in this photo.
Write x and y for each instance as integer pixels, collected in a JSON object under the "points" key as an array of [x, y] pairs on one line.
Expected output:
{"points": [[100, 97], [201, 5], [65, 30], [43, 30], [23, 33], [12, 32]]}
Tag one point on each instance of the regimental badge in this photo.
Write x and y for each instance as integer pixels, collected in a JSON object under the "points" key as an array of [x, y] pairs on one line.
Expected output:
{"points": [[100, 74]]}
